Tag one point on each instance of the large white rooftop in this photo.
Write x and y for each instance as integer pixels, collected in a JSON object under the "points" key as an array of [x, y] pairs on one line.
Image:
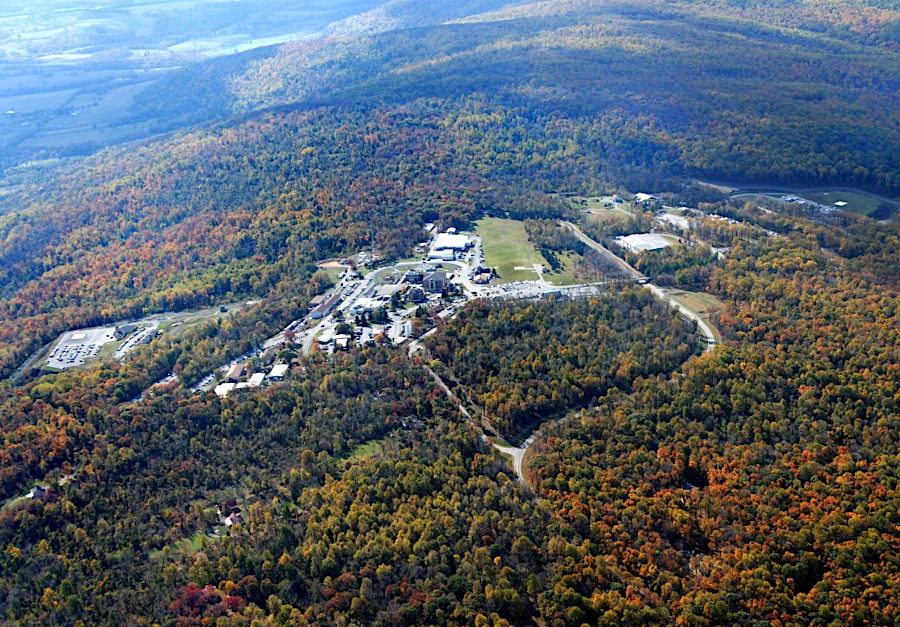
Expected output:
{"points": [[223, 389], [450, 241], [677, 221], [642, 241], [257, 379]]}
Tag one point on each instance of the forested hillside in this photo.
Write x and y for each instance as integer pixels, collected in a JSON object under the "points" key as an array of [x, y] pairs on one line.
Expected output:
{"points": [[523, 363], [755, 484], [383, 130]]}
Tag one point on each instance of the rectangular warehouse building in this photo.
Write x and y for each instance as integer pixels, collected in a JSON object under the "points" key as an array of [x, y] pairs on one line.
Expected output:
{"points": [[451, 241], [642, 241]]}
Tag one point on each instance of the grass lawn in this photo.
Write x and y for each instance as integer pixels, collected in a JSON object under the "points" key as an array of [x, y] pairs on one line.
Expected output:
{"points": [[670, 238], [566, 274], [602, 209], [191, 545], [366, 450], [607, 215], [333, 273], [700, 303], [506, 247], [18, 500], [108, 349], [856, 203]]}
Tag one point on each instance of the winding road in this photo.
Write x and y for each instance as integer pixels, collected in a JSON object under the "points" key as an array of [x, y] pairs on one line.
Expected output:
{"points": [[517, 453], [657, 291]]}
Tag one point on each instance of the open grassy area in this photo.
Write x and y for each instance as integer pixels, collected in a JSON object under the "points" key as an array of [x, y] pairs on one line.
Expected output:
{"points": [[333, 272], [672, 239], [602, 209], [607, 215], [506, 247], [702, 304], [18, 500], [856, 203], [108, 349], [566, 274], [366, 450], [190, 545]]}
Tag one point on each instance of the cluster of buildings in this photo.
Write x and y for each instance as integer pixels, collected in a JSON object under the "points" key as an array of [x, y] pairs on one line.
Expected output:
{"points": [[229, 513], [323, 304], [413, 287], [427, 280], [645, 199], [446, 246], [482, 275], [237, 372]]}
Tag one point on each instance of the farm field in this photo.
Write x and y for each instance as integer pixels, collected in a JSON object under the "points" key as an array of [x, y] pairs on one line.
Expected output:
{"points": [[75, 77]]}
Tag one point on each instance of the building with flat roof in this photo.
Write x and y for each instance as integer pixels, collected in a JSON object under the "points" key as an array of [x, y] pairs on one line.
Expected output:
{"points": [[388, 290], [442, 255], [642, 197], [679, 222], [256, 380], [278, 371], [451, 241], [223, 389], [641, 242]]}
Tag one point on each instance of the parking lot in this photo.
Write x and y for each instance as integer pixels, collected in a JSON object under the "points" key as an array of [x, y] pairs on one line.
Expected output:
{"points": [[77, 346]]}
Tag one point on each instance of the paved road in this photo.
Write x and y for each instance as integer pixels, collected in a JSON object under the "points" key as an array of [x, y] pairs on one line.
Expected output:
{"points": [[687, 313], [600, 249], [657, 291], [518, 454], [755, 190]]}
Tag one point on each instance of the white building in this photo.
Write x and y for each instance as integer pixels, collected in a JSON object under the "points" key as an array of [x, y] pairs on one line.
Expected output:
{"points": [[679, 222], [256, 380], [278, 371], [223, 389], [442, 255], [642, 241], [451, 241]]}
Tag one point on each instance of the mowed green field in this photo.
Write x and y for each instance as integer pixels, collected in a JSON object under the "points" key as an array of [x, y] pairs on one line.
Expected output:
{"points": [[856, 203], [702, 304], [507, 247]]}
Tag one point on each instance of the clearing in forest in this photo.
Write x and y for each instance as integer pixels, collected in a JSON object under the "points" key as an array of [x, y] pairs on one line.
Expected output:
{"points": [[507, 247], [702, 304]]}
